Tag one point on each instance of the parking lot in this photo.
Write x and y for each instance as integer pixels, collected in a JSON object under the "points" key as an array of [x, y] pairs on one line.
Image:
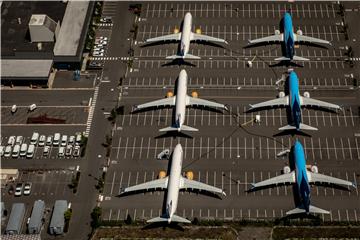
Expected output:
{"points": [[222, 153]]}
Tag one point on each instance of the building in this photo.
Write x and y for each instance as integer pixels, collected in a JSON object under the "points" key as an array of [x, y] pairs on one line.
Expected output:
{"points": [[36, 217], [8, 175], [57, 222], [16, 218]]}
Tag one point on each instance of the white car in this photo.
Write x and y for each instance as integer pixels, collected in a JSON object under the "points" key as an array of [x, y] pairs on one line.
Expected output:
{"points": [[72, 139], [23, 149], [13, 108], [103, 42], [34, 138], [11, 140], [68, 150], [27, 189], [61, 152], [49, 140], [16, 151], [76, 151], [19, 140], [64, 139], [56, 139], [42, 140], [46, 150], [32, 107], [18, 189], [98, 54], [7, 152], [2, 151]]}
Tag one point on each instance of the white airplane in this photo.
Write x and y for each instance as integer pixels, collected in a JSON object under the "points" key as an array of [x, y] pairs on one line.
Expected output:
{"points": [[295, 102], [185, 36], [180, 101], [173, 183]]}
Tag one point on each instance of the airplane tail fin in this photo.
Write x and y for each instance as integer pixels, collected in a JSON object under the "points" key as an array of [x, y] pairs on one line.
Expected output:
{"points": [[312, 209], [302, 127], [174, 218], [187, 56], [182, 128], [295, 58]]}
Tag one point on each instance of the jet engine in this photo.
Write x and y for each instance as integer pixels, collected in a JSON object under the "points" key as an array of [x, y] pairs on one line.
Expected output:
{"points": [[176, 30], [277, 32], [162, 174], [281, 94], [194, 94], [198, 30], [286, 169], [169, 94], [306, 94], [314, 169], [189, 175], [299, 32]]}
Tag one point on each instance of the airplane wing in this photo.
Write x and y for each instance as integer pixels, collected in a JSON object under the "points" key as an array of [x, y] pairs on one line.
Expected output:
{"points": [[157, 103], [200, 37], [272, 38], [278, 180], [302, 38], [320, 178], [158, 183], [313, 102], [191, 184], [170, 37], [277, 102], [202, 102]]}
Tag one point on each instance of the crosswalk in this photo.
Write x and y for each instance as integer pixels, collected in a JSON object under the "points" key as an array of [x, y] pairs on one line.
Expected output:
{"points": [[109, 58], [91, 112], [105, 24]]}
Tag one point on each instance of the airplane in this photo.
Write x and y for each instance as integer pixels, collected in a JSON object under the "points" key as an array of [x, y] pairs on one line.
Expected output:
{"points": [[295, 102], [180, 101], [302, 178], [288, 39], [173, 183], [185, 37]]}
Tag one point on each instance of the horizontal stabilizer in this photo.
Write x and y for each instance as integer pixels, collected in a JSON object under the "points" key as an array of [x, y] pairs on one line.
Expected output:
{"points": [[282, 59], [302, 127], [297, 58], [186, 56], [312, 209], [174, 218], [182, 128]]}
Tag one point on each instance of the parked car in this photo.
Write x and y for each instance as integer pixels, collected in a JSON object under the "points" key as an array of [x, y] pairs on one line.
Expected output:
{"points": [[13, 108], [2, 151], [42, 140], [64, 140], [30, 151], [23, 149], [76, 151], [78, 138], [11, 140], [61, 152], [16, 151], [19, 140], [68, 150], [106, 20], [7, 152], [19, 189], [49, 140], [34, 138], [71, 139], [32, 107], [46, 150], [27, 189], [56, 141]]}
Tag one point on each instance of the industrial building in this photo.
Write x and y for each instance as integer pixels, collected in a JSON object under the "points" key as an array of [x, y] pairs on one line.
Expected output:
{"points": [[57, 222], [16, 218], [37, 215]]}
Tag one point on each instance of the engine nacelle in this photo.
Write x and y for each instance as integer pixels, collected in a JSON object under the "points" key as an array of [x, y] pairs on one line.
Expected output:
{"points": [[176, 30], [281, 94], [277, 32], [299, 32], [306, 94], [286, 169], [314, 169], [162, 174], [169, 94], [189, 175], [198, 30], [194, 94]]}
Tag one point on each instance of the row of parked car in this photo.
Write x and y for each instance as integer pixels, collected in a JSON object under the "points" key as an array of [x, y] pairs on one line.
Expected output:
{"points": [[100, 44], [16, 145]]}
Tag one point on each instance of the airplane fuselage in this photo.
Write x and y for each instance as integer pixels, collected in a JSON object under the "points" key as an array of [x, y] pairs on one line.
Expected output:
{"points": [[180, 103], [301, 180], [288, 44], [185, 34], [294, 99], [174, 182]]}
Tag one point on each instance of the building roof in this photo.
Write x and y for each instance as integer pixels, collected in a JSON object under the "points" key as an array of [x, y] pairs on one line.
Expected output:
{"points": [[37, 215], [58, 219], [25, 68], [16, 217], [69, 36]]}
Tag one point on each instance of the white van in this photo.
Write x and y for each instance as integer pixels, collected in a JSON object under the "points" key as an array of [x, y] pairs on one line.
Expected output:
{"points": [[56, 139], [30, 151], [23, 149], [16, 151], [34, 138]]}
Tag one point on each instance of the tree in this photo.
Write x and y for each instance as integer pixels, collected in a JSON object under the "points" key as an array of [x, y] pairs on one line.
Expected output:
{"points": [[68, 214], [95, 216], [128, 219]]}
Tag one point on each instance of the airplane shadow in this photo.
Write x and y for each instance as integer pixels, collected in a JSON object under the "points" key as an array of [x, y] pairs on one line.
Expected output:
{"points": [[173, 134], [164, 225], [286, 63], [152, 44], [292, 132], [179, 62]]}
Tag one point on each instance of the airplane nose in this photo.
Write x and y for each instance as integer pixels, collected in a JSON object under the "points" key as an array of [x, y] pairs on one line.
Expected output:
{"points": [[169, 220]]}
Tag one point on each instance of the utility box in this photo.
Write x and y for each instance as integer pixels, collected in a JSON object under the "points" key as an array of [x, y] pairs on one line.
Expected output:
{"points": [[57, 222], [37, 215], [16, 218]]}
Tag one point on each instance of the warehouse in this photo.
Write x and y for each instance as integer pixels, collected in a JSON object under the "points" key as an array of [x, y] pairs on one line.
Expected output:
{"points": [[16, 219], [37, 214], [57, 222]]}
